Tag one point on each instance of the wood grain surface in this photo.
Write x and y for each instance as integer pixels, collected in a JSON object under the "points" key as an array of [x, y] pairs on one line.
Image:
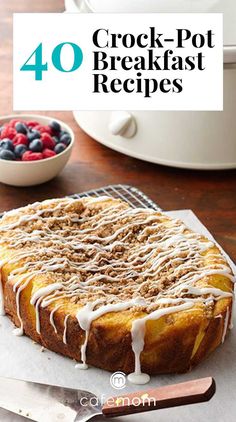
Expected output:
{"points": [[211, 195]]}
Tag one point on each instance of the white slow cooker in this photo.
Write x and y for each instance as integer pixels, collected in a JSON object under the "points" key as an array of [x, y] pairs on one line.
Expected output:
{"points": [[198, 140]]}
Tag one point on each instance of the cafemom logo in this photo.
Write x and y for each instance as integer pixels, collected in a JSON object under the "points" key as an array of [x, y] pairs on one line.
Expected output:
{"points": [[118, 380]]}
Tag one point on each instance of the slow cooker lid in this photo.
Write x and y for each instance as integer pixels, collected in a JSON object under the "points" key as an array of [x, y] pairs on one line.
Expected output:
{"points": [[228, 7]]}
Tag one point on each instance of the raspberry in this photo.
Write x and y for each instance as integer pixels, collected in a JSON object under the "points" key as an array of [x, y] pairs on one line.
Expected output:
{"points": [[48, 141], [32, 123], [8, 132], [47, 153], [43, 129], [32, 156], [13, 122], [20, 138]]}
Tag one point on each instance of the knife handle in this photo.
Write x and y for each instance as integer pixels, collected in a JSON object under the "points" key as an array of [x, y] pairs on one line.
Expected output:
{"points": [[189, 392]]}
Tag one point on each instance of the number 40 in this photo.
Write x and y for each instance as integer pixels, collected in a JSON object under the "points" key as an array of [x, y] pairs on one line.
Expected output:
{"points": [[39, 67]]}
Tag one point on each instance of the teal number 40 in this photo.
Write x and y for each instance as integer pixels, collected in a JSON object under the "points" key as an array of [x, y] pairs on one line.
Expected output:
{"points": [[38, 67]]}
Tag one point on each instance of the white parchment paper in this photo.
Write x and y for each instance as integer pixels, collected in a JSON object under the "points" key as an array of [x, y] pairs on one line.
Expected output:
{"points": [[23, 359]]}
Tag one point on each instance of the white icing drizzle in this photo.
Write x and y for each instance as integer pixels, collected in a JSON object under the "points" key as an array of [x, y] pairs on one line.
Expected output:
{"points": [[214, 292], [20, 331], [83, 365], [226, 322], [87, 315], [2, 310], [138, 378], [37, 298], [51, 318], [138, 334], [65, 329], [43, 291], [231, 325], [37, 316], [164, 246]]}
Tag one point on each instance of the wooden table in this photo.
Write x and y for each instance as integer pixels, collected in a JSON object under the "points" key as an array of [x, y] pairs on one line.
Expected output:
{"points": [[211, 195]]}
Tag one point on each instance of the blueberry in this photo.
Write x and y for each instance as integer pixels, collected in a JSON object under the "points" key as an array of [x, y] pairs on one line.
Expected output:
{"points": [[34, 134], [55, 126], [5, 154], [7, 144], [59, 148], [19, 150], [36, 145], [21, 128], [63, 132], [56, 139], [65, 139]]}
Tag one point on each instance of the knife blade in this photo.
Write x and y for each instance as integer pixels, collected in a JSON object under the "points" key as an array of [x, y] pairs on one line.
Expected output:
{"points": [[46, 403]]}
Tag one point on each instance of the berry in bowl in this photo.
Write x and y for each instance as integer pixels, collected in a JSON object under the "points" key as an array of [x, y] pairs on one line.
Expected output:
{"points": [[33, 149]]}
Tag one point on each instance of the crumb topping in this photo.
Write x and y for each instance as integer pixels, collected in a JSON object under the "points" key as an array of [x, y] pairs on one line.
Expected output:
{"points": [[101, 249]]}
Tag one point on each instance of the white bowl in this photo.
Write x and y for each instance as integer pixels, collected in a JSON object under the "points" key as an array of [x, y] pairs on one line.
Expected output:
{"points": [[30, 173]]}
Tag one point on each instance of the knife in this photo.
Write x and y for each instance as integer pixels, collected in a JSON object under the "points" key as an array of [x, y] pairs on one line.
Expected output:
{"points": [[49, 403]]}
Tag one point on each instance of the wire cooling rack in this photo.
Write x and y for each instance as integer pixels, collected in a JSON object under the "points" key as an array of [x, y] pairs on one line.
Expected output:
{"points": [[133, 196]]}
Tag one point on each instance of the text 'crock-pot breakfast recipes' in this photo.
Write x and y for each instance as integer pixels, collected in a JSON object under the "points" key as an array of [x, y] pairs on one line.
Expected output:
{"points": [[114, 287]]}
